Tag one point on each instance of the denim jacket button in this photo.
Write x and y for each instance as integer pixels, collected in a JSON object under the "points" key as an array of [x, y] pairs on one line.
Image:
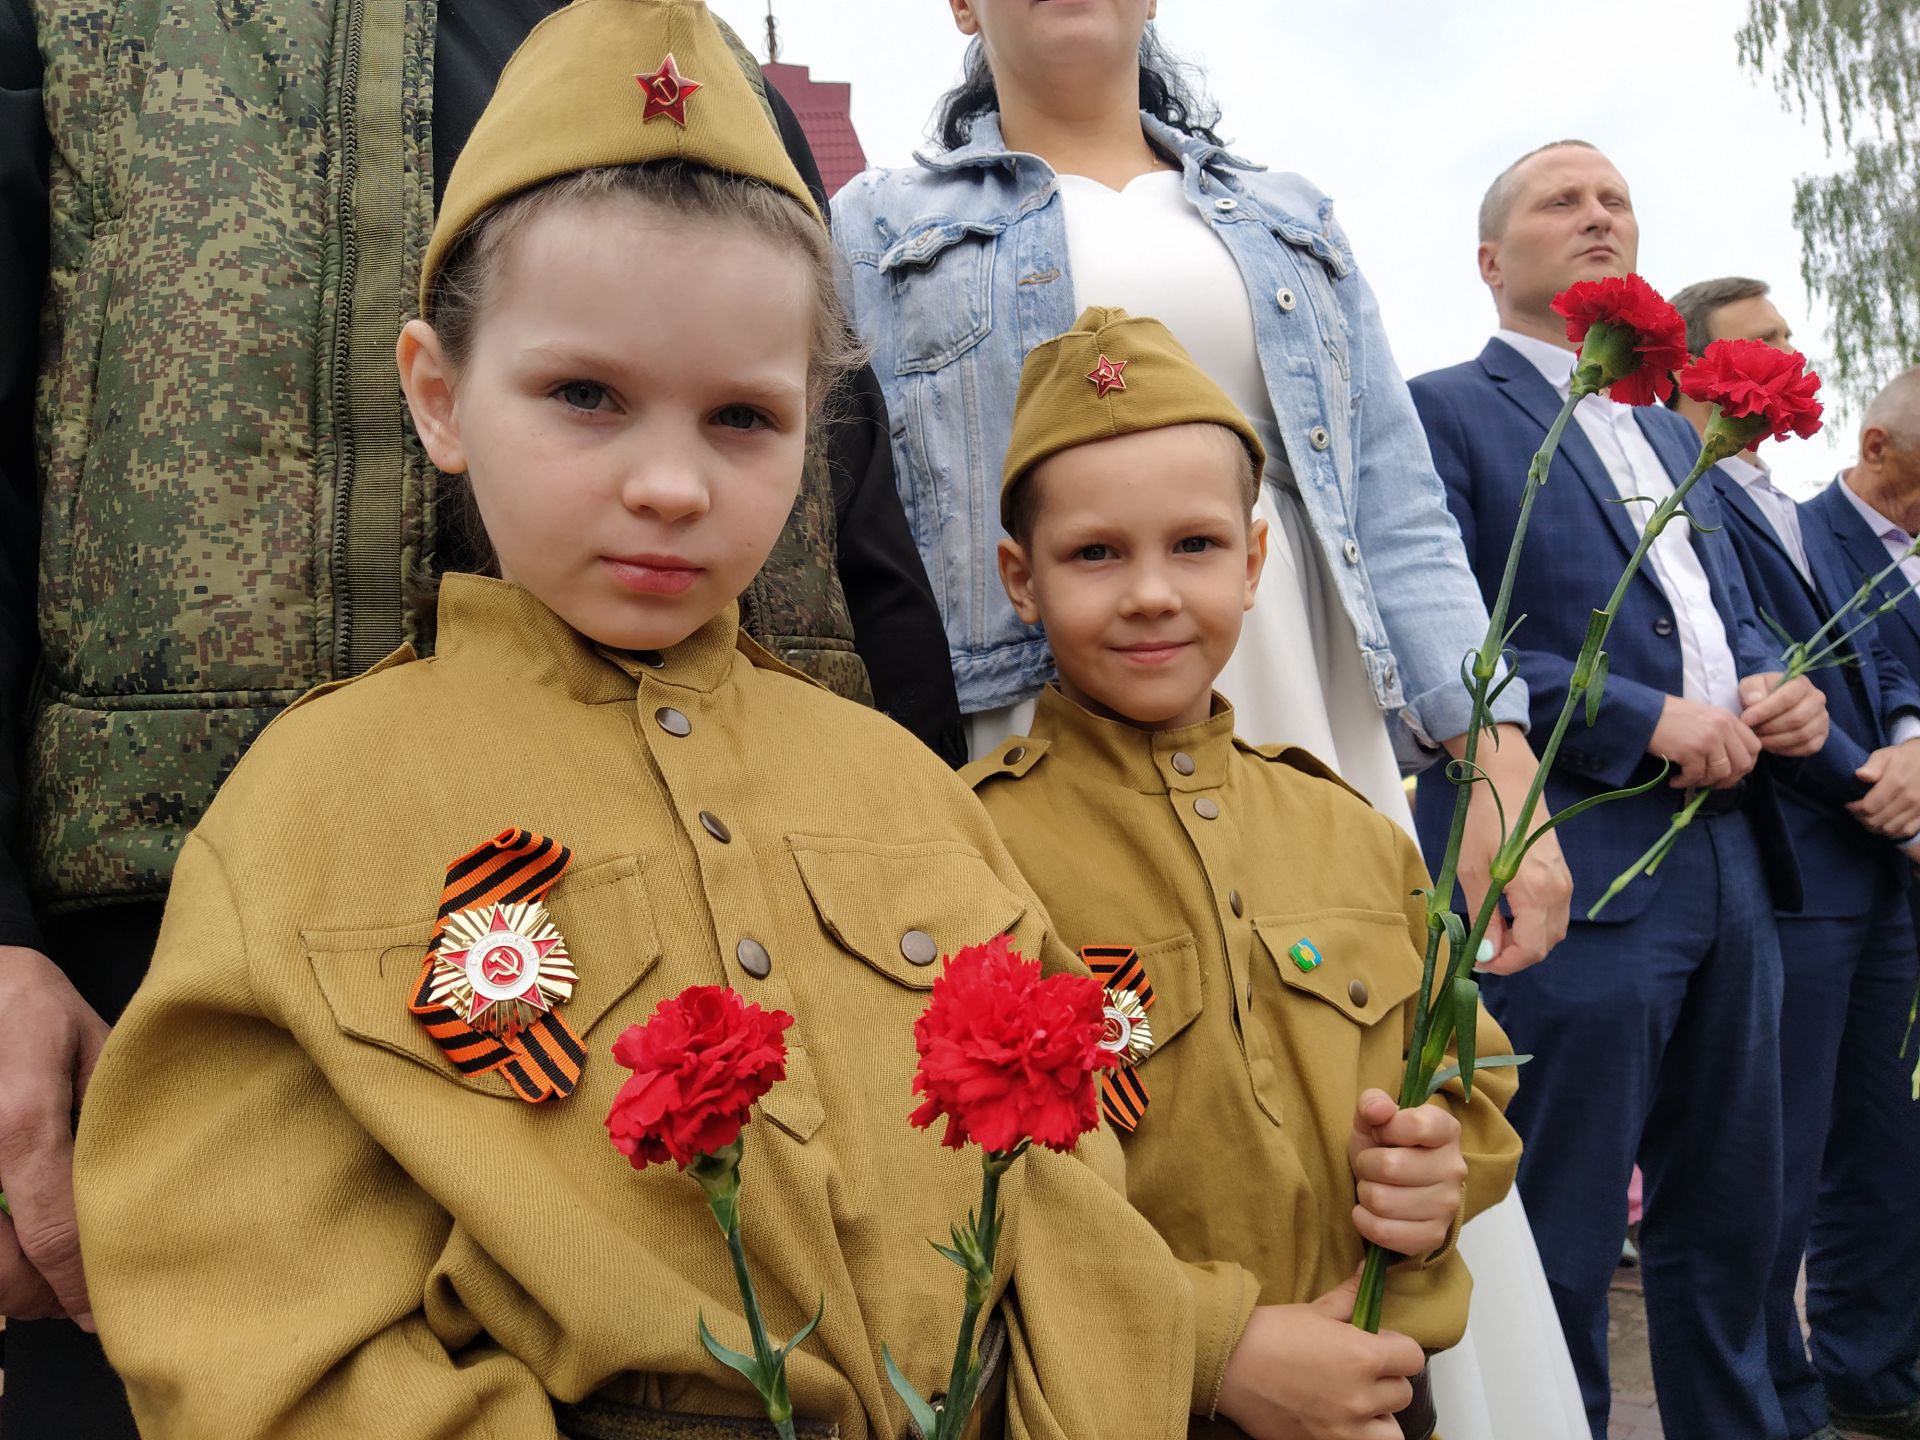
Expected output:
{"points": [[1226, 203], [1319, 438], [1285, 299], [1352, 551]]}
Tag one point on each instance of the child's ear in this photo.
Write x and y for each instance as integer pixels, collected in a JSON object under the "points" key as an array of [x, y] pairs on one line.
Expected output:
{"points": [[1016, 574], [1256, 558], [427, 378]]}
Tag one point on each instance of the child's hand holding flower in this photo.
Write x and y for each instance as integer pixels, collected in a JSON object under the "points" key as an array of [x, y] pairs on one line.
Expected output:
{"points": [[1409, 1175]]}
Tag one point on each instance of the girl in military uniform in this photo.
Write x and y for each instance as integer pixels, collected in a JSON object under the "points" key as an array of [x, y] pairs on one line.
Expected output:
{"points": [[320, 1194], [1258, 924]]}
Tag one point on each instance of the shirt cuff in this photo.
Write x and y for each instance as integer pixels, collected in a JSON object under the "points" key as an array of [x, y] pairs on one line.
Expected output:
{"points": [[1906, 726], [1224, 1295]]}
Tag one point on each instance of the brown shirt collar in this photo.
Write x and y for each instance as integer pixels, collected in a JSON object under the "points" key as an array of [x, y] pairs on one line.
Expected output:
{"points": [[497, 624], [1149, 761]]}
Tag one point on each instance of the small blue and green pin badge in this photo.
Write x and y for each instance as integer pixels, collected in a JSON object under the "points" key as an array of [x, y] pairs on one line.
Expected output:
{"points": [[1306, 955]]}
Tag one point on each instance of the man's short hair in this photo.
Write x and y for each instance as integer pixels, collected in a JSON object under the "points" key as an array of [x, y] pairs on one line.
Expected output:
{"points": [[1497, 205], [1697, 304]]}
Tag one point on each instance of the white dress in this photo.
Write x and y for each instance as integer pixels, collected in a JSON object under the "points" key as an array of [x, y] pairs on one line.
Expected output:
{"points": [[1297, 679]]}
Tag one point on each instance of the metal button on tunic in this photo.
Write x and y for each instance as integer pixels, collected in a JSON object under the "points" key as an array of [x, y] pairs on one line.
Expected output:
{"points": [[919, 948], [712, 824], [1183, 762], [754, 959], [1206, 809], [1357, 992], [1236, 904], [673, 722], [652, 659], [1016, 755]]}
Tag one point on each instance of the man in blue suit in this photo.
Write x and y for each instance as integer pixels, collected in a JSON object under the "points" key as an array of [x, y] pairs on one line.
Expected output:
{"points": [[1851, 1131], [1656, 1031]]}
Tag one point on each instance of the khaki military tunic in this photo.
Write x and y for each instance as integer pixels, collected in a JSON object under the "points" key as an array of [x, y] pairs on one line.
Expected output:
{"points": [[300, 1221], [1213, 859]]}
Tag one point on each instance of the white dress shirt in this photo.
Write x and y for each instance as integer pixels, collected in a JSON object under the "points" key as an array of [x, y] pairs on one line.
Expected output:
{"points": [[1776, 505], [1709, 674]]}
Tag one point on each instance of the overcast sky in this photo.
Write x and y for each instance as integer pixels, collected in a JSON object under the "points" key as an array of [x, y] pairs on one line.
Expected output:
{"points": [[1403, 110]]}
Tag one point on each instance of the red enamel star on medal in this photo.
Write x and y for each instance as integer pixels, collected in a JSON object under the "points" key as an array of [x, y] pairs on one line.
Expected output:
{"points": [[667, 92], [1106, 376], [498, 964]]}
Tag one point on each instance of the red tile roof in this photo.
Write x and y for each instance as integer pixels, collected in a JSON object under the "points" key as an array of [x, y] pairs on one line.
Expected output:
{"points": [[824, 110]]}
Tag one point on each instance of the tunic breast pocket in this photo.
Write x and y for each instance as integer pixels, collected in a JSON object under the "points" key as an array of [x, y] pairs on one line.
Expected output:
{"points": [[1342, 974], [941, 283], [368, 976], [903, 908]]}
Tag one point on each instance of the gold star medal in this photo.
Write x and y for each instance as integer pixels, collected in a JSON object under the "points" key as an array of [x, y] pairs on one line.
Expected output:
{"points": [[500, 966]]}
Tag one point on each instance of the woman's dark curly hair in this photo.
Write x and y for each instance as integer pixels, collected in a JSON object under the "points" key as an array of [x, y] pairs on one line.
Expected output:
{"points": [[1168, 92]]}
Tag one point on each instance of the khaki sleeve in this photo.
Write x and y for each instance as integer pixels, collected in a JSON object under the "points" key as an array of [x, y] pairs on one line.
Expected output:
{"points": [[1489, 1143], [256, 1261]]}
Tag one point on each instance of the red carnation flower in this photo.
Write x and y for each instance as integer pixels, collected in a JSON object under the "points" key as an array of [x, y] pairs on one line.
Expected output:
{"points": [[1641, 341], [1007, 1056], [1772, 390], [698, 1065]]}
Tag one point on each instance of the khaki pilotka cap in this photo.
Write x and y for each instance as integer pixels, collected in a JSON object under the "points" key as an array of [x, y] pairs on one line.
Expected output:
{"points": [[1112, 374], [612, 82]]}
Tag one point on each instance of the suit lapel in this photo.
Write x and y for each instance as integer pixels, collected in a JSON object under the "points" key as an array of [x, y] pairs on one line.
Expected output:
{"points": [[1525, 387], [1865, 554], [1736, 497]]}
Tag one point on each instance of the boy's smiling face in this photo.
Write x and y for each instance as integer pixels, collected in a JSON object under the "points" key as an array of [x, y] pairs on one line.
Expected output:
{"points": [[633, 414], [1141, 562]]}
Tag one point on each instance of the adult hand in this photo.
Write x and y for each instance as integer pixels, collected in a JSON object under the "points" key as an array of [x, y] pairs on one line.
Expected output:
{"points": [[1542, 889], [1303, 1372], [1789, 719], [1708, 747], [1892, 807], [1409, 1173], [53, 1040]]}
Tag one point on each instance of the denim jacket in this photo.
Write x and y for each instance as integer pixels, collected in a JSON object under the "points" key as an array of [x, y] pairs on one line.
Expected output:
{"points": [[959, 268]]}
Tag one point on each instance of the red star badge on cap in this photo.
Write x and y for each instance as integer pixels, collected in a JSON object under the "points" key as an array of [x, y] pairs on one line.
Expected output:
{"points": [[1106, 376], [667, 92]]}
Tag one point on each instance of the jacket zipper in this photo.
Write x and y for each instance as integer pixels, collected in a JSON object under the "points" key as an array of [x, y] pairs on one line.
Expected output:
{"points": [[369, 460]]}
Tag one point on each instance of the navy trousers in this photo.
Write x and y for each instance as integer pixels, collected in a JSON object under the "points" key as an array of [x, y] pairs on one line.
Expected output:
{"points": [[1658, 1040], [1852, 1145]]}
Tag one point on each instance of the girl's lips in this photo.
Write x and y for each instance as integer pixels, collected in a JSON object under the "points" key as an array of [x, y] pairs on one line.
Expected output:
{"points": [[652, 576]]}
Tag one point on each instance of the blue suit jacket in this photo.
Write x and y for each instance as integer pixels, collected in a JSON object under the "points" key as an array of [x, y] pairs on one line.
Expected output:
{"points": [[1484, 420], [1831, 515], [1842, 866]]}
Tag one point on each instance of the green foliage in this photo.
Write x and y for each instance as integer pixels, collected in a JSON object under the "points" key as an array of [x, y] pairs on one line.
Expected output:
{"points": [[1854, 64]]}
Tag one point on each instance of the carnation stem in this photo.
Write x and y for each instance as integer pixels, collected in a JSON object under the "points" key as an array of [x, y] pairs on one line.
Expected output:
{"points": [[1435, 1020], [965, 1376], [723, 1198]]}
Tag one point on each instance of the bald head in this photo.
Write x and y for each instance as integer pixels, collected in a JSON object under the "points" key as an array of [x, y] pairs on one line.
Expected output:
{"points": [[1895, 411]]}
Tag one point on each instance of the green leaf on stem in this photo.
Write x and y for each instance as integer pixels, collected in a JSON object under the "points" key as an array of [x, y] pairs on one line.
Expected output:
{"points": [[1466, 1030], [1698, 527], [922, 1413], [805, 1330], [1593, 690], [951, 1253], [733, 1359], [1443, 1078], [1580, 807]]}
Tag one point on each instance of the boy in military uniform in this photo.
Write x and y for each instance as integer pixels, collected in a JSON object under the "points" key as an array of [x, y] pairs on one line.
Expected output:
{"points": [[343, 1169], [1256, 922]]}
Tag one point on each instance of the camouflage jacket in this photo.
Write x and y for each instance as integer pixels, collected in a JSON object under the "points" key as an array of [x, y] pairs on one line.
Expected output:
{"points": [[234, 509]]}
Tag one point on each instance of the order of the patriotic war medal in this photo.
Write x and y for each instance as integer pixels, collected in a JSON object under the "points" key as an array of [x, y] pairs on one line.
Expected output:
{"points": [[499, 966], [1127, 1032]]}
